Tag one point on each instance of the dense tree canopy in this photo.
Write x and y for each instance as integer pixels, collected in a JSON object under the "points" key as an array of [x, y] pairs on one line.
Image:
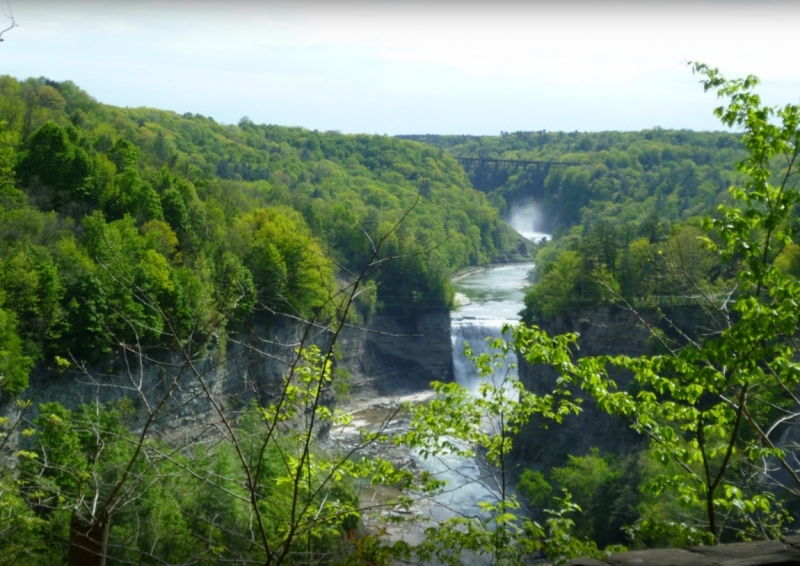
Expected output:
{"points": [[141, 226], [614, 176], [111, 218]]}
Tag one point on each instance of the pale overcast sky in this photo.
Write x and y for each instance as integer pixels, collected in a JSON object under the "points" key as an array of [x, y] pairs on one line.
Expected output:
{"points": [[406, 66]]}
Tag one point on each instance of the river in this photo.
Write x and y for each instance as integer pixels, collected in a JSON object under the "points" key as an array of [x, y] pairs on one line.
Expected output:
{"points": [[491, 298], [488, 298]]}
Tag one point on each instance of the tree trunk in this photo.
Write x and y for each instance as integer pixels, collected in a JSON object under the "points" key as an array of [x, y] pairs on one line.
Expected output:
{"points": [[87, 541]]}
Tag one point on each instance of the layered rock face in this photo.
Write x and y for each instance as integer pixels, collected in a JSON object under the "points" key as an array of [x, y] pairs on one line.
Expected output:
{"points": [[602, 330], [181, 394], [185, 395], [784, 552], [399, 355]]}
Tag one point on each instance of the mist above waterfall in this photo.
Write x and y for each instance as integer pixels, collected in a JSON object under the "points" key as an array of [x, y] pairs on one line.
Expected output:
{"points": [[526, 218]]}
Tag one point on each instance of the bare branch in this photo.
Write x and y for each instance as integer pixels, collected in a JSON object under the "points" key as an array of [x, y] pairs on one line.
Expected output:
{"points": [[10, 16]]}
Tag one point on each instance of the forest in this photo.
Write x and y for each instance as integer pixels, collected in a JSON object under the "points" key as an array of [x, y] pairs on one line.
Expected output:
{"points": [[713, 284], [139, 237], [618, 177], [211, 220]]}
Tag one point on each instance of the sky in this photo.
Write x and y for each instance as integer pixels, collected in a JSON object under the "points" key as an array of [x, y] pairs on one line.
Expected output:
{"points": [[407, 66]]}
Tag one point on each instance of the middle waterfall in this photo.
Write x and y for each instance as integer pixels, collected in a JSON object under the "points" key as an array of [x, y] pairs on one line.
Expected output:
{"points": [[490, 298]]}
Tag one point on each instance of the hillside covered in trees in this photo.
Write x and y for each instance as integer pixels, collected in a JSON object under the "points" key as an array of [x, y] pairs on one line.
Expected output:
{"points": [[209, 222], [618, 177], [138, 226], [625, 212]]}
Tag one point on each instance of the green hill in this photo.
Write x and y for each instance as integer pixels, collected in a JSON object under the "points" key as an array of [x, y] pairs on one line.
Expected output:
{"points": [[621, 176], [113, 219]]}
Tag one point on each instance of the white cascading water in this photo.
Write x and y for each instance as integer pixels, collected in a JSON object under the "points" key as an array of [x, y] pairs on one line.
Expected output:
{"points": [[488, 299], [525, 219]]}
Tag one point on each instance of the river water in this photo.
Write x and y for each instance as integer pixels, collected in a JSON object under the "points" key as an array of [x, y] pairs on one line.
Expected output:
{"points": [[488, 299], [491, 298]]}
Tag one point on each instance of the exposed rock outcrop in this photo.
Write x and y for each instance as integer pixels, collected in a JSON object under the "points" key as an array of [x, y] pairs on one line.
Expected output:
{"points": [[399, 355], [603, 330], [782, 552], [187, 398]]}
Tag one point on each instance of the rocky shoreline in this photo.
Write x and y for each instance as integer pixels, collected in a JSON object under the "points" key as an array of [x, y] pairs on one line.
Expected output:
{"points": [[384, 414]]}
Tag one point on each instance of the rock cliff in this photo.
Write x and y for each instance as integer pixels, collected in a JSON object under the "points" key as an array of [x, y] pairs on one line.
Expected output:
{"points": [[602, 330], [399, 355], [184, 396]]}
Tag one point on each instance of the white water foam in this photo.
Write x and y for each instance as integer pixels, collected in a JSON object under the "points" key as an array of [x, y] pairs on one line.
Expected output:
{"points": [[526, 218]]}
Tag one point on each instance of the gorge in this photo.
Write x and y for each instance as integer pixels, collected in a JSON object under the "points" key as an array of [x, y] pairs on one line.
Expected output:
{"points": [[186, 307]]}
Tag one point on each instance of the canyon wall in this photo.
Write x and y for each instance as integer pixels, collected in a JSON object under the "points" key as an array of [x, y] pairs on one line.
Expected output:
{"points": [[185, 394], [602, 330], [398, 355]]}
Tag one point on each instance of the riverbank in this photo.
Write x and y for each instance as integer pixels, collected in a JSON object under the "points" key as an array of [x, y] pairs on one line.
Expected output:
{"points": [[382, 514]]}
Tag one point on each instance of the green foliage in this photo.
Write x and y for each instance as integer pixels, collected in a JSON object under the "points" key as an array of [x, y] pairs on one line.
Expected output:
{"points": [[617, 507], [536, 489], [788, 261], [267, 494], [583, 475], [14, 365], [288, 266], [261, 206], [456, 422], [620, 177], [712, 405], [611, 265], [21, 529], [52, 158], [33, 292], [214, 222]]}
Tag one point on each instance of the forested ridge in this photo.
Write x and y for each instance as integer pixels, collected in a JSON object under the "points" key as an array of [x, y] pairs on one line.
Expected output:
{"points": [[641, 221], [626, 213], [142, 231], [635, 232], [619, 177], [210, 221]]}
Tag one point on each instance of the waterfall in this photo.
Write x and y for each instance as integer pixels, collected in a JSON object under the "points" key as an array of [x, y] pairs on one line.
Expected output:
{"points": [[471, 480], [526, 218], [476, 332], [489, 300]]}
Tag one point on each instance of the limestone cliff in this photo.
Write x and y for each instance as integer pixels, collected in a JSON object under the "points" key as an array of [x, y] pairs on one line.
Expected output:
{"points": [[396, 355], [187, 393], [602, 330]]}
